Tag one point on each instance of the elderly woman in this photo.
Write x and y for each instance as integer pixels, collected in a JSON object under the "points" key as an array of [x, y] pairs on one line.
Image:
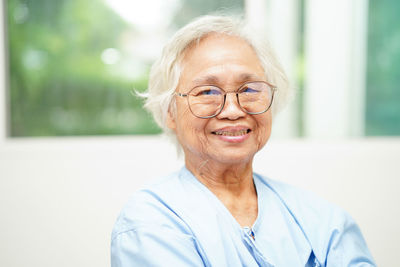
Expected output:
{"points": [[215, 90]]}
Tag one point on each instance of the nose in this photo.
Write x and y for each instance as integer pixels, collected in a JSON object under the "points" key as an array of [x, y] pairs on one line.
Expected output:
{"points": [[231, 109]]}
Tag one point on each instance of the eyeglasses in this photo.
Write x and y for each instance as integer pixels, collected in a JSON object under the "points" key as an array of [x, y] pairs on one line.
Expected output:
{"points": [[207, 101]]}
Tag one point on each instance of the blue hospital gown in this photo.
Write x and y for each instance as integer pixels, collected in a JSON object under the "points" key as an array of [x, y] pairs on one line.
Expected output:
{"points": [[177, 221]]}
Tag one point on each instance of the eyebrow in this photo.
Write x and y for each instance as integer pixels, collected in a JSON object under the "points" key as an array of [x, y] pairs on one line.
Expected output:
{"points": [[214, 80], [246, 77], [209, 79]]}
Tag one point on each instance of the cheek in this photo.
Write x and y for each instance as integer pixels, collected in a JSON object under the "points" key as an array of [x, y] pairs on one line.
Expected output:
{"points": [[264, 126], [189, 124], [191, 130], [183, 119]]}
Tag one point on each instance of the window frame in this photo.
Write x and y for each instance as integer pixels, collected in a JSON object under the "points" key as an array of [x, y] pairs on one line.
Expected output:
{"points": [[335, 96]]}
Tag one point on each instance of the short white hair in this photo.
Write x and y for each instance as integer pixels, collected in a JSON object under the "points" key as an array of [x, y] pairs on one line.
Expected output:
{"points": [[166, 70]]}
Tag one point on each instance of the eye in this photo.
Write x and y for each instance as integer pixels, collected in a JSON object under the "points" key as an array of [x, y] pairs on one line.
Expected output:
{"points": [[250, 90], [207, 92]]}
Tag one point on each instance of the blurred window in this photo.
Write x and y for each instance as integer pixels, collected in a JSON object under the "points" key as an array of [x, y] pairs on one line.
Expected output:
{"points": [[383, 69], [73, 64]]}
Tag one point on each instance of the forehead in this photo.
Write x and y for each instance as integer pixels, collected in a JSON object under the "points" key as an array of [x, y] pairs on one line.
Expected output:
{"points": [[221, 56]]}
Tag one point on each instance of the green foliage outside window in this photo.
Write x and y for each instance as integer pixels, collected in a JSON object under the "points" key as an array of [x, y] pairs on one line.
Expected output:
{"points": [[58, 83], [383, 71]]}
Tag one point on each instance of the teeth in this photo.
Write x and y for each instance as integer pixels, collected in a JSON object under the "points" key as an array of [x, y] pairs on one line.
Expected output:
{"points": [[227, 133]]}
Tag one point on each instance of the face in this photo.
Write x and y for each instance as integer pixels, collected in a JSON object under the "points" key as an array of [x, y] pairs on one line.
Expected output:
{"points": [[233, 136]]}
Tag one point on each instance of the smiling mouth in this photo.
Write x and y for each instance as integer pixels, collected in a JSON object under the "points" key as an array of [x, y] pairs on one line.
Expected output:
{"points": [[232, 133]]}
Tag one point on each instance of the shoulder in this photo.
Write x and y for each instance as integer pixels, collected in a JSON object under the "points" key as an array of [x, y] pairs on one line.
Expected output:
{"points": [[329, 229], [150, 207], [150, 231]]}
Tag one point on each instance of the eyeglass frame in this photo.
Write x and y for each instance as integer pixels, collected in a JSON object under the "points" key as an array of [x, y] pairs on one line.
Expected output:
{"points": [[237, 92]]}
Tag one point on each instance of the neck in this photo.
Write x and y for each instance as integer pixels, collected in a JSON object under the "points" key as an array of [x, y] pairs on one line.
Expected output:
{"points": [[221, 177], [232, 184]]}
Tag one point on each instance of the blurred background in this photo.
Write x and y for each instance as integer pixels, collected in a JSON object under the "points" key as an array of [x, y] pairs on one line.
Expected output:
{"points": [[71, 65], [75, 142]]}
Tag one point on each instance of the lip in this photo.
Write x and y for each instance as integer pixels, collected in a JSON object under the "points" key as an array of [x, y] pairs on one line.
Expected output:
{"points": [[232, 134]]}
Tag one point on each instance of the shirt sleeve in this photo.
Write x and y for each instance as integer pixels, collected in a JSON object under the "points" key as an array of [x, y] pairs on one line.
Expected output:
{"points": [[149, 246], [348, 247]]}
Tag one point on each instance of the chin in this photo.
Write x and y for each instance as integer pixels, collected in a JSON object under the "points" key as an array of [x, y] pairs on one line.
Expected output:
{"points": [[234, 157]]}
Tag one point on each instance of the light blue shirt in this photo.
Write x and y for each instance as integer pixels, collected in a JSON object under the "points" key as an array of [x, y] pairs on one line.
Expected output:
{"points": [[177, 221]]}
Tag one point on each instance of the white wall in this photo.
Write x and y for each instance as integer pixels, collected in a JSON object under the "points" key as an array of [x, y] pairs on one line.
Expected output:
{"points": [[60, 198]]}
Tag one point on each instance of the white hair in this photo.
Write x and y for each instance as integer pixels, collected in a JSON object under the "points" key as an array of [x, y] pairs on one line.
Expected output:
{"points": [[166, 70]]}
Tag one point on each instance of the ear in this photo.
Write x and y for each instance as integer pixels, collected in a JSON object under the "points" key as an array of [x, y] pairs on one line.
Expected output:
{"points": [[171, 120]]}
